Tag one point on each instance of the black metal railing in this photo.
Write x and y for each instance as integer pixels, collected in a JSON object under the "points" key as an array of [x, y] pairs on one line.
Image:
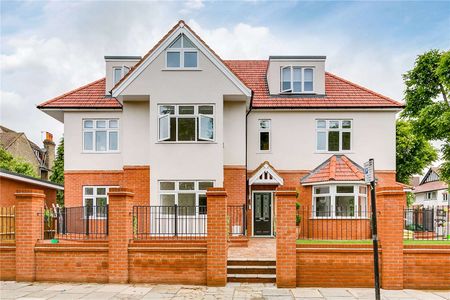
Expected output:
{"points": [[427, 223], [7, 223], [83, 222], [174, 222], [340, 224], [236, 219]]}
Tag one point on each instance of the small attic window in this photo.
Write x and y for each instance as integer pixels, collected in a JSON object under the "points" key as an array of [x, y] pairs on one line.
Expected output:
{"points": [[119, 72], [182, 54], [297, 80]]}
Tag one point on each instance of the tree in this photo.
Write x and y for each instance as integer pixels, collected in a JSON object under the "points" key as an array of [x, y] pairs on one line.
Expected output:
{"points": [[17, 165], [413, 151], [427, 101], [58, 171]]}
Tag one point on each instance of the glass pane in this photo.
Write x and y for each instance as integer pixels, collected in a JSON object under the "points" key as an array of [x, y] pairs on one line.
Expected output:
{"points": [[173, 129], [202, 203], [264, 143], [362, 206], [346, 144], [168, 200], [363, 190], [113, 124], [186, 110], [204, 185], [344, 189], [187, 42], [88, 124], [101, 191], [264, 124], [113, 140], [190, 59], [286, 79], [308, 75], [186, 129], [167, 185], [323, 206], [345, 206], [88, 207], [322, 190], [206, 109], [100, 140], [308, 86], [101, 201], [164, 127], [173, 59], [187, 185], [176, 43], [186, 203], [297, 74], [166, 109], [297, 87], [88, 143], [206, 128], [333, 141], [89, 191], [117, 74], [321, 140], [321, 124], [347, 124], [101, 124], [333, 124]]}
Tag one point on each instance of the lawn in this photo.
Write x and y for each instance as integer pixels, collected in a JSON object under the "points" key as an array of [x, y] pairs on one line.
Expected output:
{"points": [[310, 242], [426, 242]]}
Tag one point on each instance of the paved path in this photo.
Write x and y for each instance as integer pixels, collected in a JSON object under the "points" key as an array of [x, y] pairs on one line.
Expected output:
{"points": [[19, 290]]}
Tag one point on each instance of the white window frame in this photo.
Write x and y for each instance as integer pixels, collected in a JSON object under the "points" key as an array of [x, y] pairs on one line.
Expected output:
{"points": [[260, 130], [94, 196], [326, 130], [123, 71], [429, 196], [333, 193], [291, 90], [197, 116], [445, 196], [181, 50], [107, 129]]}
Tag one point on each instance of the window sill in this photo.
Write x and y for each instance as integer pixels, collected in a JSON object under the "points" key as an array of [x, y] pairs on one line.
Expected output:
{"points": [[264, 152], [100, 152], [334, 152], [181, 69], [186, 142]]}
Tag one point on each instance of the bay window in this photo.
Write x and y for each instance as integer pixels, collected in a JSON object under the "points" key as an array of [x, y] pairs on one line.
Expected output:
{"points": [[186, 123], [297, 80], [340, 201], [333, 135], [100, 135]]}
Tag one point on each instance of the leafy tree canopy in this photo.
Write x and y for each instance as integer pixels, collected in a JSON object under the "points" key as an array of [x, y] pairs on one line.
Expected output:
{"points": [[17, 165], [58, 171], [427, 101]]}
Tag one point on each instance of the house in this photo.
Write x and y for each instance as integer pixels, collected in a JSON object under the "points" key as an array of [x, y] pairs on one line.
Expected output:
{"points": [[10, 182], [17, 143], [431, 191], [179, 120]]}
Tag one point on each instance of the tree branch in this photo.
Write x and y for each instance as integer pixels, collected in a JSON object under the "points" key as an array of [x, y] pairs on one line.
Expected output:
{"points": [[443, 94]]}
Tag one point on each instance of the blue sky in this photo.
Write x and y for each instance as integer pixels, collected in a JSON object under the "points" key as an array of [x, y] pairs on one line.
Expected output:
{"points": [[48, 48]]}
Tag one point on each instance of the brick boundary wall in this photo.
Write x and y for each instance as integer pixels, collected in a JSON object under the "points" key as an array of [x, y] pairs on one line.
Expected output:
{"points": [[8, 261]]}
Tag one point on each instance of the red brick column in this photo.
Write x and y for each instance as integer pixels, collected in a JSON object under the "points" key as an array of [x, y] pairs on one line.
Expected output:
{"points": [[120, 232], [286, 237], [29, 228], [390, 204], [217, 249]]}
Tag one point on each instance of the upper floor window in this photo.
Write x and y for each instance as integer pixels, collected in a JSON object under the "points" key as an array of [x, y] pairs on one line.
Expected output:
{"points": [[297, 80], [101, 135], [445, 197], [119, 72], [264, 135], [431, 195], [334, 135], [186, 123], [182, 54]]}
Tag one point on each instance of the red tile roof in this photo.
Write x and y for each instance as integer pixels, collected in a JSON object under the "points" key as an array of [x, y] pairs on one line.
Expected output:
{"points": [[336, 168], [430, 186], [91, 95]]}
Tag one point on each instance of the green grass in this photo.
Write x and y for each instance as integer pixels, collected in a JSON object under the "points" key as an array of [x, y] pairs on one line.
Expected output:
{"points": [[425, 242], [311, 242]]}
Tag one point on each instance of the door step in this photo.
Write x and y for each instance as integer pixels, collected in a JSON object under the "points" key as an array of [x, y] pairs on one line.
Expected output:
{"points": [[251, 271]]}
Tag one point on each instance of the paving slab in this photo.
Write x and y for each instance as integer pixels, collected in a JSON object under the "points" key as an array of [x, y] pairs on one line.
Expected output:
{"points": [[112, 288], [334, 292], [43, 294], [306, 293], [135, 291], [67, 296]]}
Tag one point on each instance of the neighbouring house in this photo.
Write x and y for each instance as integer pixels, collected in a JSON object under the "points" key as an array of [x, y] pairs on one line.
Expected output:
{"points": [[431, 191], [179, 120], [11, 182], [17, 143]]}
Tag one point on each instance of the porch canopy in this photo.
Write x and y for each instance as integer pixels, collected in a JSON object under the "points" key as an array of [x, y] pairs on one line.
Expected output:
{"points": [[265, 174]]}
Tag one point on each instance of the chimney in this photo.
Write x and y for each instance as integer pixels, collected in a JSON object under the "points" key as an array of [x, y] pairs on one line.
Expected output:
{"points": [[49, 147]]}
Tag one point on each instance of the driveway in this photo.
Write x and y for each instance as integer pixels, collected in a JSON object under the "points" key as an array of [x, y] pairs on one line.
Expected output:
{"points": [[20, 290]]}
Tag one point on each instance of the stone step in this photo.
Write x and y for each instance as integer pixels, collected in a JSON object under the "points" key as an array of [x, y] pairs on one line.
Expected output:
{"points": [[255, 262], [252, 278], [251, 270]]}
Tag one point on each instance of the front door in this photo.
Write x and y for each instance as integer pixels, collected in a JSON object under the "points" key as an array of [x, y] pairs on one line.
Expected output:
{"points": [[262, 216]]}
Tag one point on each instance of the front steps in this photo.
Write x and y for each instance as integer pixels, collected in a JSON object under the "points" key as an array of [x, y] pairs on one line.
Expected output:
{"points": [[251, 271]]}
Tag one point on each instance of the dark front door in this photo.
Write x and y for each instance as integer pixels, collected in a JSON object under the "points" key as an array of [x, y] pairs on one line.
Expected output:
{"points": [[262, 220]]}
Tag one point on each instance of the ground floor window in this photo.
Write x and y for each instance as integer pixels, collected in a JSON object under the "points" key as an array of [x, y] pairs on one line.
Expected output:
{"points": [[188, 194], [95, 200], [337, 201]]}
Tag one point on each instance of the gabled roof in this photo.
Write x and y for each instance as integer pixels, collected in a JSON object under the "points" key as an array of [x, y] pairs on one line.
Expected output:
{"points": [[428, 174], [91, 95], [265, 173], [335, 168]]}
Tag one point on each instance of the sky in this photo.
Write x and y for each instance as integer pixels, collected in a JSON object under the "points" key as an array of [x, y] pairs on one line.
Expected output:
{"points": [[49, 48]]}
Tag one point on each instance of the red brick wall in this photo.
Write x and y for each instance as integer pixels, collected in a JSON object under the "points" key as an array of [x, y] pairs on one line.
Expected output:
{"points": [[234, 182], [137, 178], [72, 262], [7, 261], [8, 188], [168, 262], [334, 267]]}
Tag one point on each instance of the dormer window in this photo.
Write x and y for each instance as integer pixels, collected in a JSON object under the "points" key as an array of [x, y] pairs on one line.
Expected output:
{"points": [[119, 73], [182, 54], [297, 80]]}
